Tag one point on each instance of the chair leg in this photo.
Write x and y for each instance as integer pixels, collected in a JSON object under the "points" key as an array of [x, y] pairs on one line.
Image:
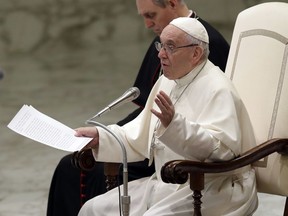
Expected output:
{"points": [[197, 202], [286, 208], [197, 185], [111, 171], [111, 182]]}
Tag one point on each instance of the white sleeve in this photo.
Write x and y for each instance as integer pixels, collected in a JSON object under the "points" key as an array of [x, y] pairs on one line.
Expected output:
{"points": [[215, 135]]}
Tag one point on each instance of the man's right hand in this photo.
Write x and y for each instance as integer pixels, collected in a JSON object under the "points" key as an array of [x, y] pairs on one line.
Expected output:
{"points": [[89, 132]]}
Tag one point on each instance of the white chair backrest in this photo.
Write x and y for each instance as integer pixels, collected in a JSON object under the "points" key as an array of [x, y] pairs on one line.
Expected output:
{"points": [[258, 66]]}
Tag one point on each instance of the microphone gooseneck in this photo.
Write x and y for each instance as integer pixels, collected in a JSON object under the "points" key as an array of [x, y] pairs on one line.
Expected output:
{"points": [[125, 198], [128, 96]]}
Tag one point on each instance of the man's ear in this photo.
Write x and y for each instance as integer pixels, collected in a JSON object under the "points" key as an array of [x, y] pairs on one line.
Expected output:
{"points": [[172, 3], [198, 53]]}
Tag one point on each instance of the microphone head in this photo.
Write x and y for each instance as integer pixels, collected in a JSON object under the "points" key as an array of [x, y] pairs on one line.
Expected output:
{"points": [[135, 91], [128, 96]]}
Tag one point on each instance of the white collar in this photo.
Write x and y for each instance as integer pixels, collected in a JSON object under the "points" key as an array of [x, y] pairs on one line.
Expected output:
{"points": [[188, 78]]}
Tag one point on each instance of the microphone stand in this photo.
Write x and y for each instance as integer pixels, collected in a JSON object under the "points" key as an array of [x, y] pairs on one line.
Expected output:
{"points": [[125, 199]]}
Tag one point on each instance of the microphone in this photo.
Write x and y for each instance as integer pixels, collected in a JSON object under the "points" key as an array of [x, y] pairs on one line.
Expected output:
{"points": [[125, 198], [128, 96]]}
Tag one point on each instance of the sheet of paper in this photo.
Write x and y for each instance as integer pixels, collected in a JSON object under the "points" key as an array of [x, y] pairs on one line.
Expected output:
{"points": [[37, 126]]}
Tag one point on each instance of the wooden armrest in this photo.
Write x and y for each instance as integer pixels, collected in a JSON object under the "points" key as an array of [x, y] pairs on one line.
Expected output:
{"points": [[83, 160], [177, 171]]}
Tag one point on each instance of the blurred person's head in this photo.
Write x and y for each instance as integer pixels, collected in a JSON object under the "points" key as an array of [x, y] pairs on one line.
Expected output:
{"points": [[157, 14]]}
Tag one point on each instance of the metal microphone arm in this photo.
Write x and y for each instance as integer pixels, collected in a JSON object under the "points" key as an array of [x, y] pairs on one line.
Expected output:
{"points": [[125, 199]]}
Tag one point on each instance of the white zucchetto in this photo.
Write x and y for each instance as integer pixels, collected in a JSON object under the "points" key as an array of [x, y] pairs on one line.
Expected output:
{"points": [[192, 27]]}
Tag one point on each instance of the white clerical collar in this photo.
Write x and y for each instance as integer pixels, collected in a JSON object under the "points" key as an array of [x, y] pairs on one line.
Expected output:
{"points": [[190, 13], [188, 78]]}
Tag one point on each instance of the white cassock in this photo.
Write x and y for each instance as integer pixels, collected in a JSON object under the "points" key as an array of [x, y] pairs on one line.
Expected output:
{"points": [[208, 125]]}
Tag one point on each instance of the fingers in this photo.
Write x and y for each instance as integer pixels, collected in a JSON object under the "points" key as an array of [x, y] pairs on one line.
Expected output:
{"points": [[165, 99], [86, 132], [164, 103], [93, 144], [166, 108]]}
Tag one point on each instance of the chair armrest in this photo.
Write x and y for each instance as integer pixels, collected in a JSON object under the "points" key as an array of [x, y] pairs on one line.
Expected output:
{"points": [[177, 171]]}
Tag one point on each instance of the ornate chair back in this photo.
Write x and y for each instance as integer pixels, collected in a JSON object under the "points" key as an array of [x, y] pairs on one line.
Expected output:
{"points": [[258, 66]]}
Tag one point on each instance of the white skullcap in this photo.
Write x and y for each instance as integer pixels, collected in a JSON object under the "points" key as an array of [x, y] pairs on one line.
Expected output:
{"points": [[192, 27]]}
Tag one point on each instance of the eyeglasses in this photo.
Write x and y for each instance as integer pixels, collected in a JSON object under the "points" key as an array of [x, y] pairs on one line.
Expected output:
{"points": [[170, 48]]}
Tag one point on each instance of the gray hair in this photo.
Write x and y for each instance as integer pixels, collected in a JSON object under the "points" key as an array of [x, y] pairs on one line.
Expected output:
{"points": [[163, 3], [205, 46]]}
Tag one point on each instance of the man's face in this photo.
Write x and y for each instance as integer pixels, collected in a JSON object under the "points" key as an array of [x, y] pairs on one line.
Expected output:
{"points": [[155, 17], [179, 62]]}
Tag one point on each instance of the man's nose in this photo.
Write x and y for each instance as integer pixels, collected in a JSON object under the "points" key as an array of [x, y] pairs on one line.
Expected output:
{"points": [[162, 53], [148, 23]]}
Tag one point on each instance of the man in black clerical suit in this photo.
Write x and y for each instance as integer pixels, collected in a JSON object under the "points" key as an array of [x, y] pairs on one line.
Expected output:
{"points": [[71, 187]]}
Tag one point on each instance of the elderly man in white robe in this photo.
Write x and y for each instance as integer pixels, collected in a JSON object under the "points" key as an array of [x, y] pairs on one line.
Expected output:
{"points": [[193, 112]]}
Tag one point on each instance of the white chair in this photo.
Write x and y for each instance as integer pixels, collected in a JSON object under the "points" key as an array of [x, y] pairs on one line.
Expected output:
{"points": [[258, 66]]}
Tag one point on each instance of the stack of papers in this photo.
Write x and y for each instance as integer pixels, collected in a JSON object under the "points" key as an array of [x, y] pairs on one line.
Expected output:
{"points": [[37, 126]]}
